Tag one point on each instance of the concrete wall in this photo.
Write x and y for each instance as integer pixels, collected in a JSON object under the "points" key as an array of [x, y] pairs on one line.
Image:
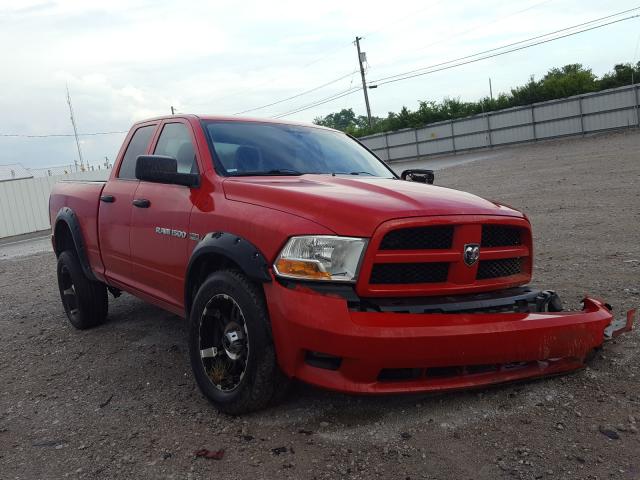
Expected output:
{"points": [[24, 204], [593, 112]]}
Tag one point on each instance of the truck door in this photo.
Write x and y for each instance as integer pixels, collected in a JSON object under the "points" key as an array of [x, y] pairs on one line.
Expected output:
{"points": [[160, 220], [114, 214]]}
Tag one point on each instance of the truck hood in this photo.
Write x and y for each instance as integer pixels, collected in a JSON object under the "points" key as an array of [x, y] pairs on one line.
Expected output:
{"points": [[356, 206]]}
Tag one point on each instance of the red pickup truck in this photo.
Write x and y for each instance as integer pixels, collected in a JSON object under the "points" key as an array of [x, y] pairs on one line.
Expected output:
{"points": [[294, 252]]}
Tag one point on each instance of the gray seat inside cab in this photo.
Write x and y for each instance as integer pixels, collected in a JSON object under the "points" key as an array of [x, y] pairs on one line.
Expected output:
{"points": [[247, 159], [186, 158]]}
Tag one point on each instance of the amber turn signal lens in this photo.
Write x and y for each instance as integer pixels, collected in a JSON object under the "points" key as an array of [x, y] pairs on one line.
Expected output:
{"points": [[301, 268]]}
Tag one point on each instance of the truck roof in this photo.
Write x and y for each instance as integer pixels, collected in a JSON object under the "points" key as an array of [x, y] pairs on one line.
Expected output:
{"points": [[233, 118]]}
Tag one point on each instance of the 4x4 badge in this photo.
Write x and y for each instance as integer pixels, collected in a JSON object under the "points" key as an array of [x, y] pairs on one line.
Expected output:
{"points": [[471, 253]]}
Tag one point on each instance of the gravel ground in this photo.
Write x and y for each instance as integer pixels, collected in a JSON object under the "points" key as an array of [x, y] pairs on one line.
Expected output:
{"points": [[120, 400]]}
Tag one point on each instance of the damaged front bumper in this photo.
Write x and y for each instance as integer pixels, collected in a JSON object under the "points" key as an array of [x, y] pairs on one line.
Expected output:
{"points": [[350, 345]]}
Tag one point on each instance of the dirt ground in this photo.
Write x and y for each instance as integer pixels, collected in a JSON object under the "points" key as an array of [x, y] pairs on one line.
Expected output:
{"points": [[119, 401]]}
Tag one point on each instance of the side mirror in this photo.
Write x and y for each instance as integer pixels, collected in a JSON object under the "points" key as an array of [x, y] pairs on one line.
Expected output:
{"points": [[161, 169], [420, 176]]}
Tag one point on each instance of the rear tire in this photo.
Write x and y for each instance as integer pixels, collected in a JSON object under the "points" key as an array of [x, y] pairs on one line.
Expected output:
{"points": [[231, 349], [85, 302]]}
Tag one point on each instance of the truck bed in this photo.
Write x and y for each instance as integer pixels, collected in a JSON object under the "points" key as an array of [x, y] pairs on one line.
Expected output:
{"points": [[83, 197]]}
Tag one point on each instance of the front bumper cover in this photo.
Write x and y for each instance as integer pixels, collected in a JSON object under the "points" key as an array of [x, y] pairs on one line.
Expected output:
{"points": [[384, 352]]}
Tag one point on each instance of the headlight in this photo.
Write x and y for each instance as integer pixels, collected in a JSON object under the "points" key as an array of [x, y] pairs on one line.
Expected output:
{"points": [[321, 257]]}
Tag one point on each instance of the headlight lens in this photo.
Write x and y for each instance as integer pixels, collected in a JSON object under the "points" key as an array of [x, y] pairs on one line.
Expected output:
{"points": [[321, 257]]}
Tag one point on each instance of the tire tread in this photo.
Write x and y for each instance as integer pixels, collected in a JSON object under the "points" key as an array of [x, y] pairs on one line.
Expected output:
{"points": [[93, 301], [268, 384]]}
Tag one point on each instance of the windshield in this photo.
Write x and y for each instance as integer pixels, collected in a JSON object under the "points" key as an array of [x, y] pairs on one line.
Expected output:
{"points": [[252, 148]]}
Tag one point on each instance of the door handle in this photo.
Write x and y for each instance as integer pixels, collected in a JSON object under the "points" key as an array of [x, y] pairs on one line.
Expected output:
{"points": [[107, 198], [141, 203]]}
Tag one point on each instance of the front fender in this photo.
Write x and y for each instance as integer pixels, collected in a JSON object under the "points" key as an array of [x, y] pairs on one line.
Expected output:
{"points": [[234, 248]]}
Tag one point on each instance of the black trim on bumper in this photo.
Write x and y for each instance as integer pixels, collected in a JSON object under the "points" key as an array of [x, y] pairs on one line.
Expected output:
{"points": [[520, 299]]}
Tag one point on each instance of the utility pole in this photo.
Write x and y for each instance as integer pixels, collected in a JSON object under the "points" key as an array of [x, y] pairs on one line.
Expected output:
{"points": [[490, 90], [75, 132], [173, 110], [363, 56]]}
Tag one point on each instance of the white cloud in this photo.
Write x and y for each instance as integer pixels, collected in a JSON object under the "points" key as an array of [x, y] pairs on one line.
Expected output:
{"points": [[129, 59]]}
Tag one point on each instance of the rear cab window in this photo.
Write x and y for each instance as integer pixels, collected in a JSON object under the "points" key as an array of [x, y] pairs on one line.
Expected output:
{"points": [[137, 146]]}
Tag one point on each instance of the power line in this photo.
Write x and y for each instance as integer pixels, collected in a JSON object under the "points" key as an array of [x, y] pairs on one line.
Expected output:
{"points": [[319, 102], [273, 79], [376, 31], [48, 135], [514, 43], [396, 77], [369, 34], [406, 75], [282, 115], [384, 80], [350, 86], [317, 60], [477, 27], [297, 95]]}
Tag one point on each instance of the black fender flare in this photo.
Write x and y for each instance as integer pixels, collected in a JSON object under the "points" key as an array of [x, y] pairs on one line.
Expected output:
{"points": [[68, 216], [237, 249]]}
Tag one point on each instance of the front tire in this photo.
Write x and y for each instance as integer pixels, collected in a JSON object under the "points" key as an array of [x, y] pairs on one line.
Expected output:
{"points": [[230, 345], [85, 302]]}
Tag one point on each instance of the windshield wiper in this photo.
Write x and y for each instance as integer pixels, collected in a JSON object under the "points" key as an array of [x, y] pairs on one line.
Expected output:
{"points": [[353, 173], [284, 171], [275, 171]]}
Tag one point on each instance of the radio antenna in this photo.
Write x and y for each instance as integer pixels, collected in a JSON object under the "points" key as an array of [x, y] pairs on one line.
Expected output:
{"points": [[75, 132]]}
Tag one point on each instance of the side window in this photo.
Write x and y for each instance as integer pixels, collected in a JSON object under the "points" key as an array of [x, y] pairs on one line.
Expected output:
{"points": [[175, 141], [137, 146]]}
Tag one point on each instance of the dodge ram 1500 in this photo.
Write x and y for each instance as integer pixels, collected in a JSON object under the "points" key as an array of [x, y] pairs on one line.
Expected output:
{"points": [[294, 252]]}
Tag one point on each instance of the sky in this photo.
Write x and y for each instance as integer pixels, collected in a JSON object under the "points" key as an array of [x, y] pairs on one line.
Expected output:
{"points": [[126, 60]]}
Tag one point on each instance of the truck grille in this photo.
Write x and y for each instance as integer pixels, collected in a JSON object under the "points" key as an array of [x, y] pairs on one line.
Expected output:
{"points": [[419, 238], [500, 236], [499, 268], [424, 256], [404, 273]]}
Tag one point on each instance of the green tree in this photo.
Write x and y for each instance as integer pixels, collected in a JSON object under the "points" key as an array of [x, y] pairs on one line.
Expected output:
{"points": [[341, 120], [530, 92], [566, 81], [622, 74]]}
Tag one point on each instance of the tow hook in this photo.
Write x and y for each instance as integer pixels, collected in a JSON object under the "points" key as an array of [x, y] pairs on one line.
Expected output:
{"points": [[548, 301], [620, 325]]}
